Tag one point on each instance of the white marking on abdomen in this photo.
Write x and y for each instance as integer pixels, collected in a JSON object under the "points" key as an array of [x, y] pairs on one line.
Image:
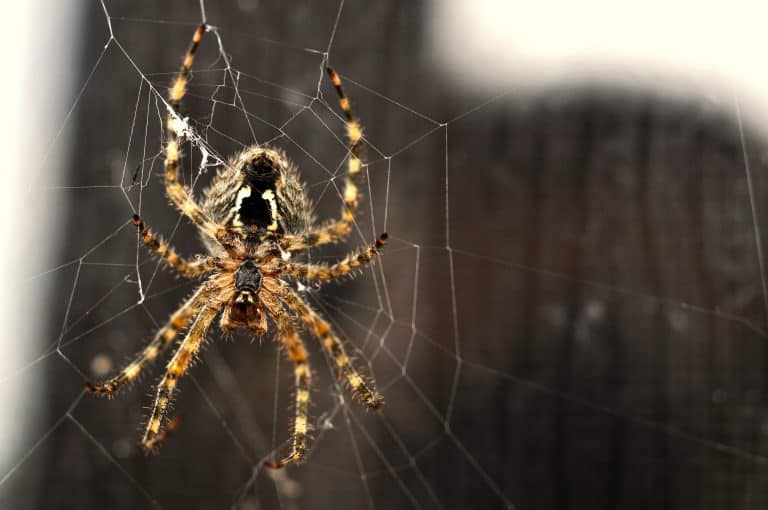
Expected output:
{"points": [[242, 194], [269, 196]]}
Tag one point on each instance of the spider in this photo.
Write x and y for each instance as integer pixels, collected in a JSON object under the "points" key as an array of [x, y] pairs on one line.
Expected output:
{"points": [[254, 215]]}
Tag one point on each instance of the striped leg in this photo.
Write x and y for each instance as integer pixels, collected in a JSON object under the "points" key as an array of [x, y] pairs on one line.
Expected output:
{"points": [[154, 435], [324, 272], [156, 244], [338, 229], [177, 192], [163, 338], [362, 389], [296, 352]]}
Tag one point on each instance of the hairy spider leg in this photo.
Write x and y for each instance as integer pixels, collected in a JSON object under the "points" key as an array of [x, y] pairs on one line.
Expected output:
{"points": [[325, 272], [156, 244], [338, 229], [179, 194], [163, 338], [322, 330], [214, 296], [296, 351]]}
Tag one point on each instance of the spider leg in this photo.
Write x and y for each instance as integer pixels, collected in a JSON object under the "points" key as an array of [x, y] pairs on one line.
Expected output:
{"points": [[156, 244], [154, 435], [338, 229], [357, 383], [163, 338], [325, 273], [296, 352], [179, 194]]}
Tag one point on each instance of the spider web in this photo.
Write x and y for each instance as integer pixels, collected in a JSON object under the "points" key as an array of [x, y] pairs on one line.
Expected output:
{"points": [[567, 313]]}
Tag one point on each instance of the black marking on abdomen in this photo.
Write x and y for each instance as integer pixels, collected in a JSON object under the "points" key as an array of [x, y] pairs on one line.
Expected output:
{"points": [[256, 204], [254, 210]]}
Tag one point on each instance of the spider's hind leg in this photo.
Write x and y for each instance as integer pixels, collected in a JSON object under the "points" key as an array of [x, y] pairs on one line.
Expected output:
{"points": [[351, 192], [338, 229], [179, 194]]}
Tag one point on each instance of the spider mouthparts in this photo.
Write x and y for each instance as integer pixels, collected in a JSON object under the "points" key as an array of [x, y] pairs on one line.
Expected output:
{"points": [[136, 219], [244, 311]]}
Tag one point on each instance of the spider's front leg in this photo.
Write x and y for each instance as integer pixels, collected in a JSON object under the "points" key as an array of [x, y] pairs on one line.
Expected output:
{"points": [[215, 296], [163, 338], [297, 353], [361, 388]]}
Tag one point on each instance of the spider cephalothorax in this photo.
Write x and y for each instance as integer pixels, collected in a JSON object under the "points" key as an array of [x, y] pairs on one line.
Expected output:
{"points": [[251, 219], [245, 310]]}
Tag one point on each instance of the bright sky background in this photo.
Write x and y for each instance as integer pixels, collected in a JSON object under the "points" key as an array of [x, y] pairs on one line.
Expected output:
{"points": [[712, 50], [37, 89]]}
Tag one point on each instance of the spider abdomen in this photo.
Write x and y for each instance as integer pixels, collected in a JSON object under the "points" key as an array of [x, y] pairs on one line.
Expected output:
{"points": [[256, 202], [258, 193], [256, 208]]}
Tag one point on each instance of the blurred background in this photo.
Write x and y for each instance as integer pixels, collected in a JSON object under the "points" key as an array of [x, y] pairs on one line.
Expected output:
{"points": [[572, 311]]}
